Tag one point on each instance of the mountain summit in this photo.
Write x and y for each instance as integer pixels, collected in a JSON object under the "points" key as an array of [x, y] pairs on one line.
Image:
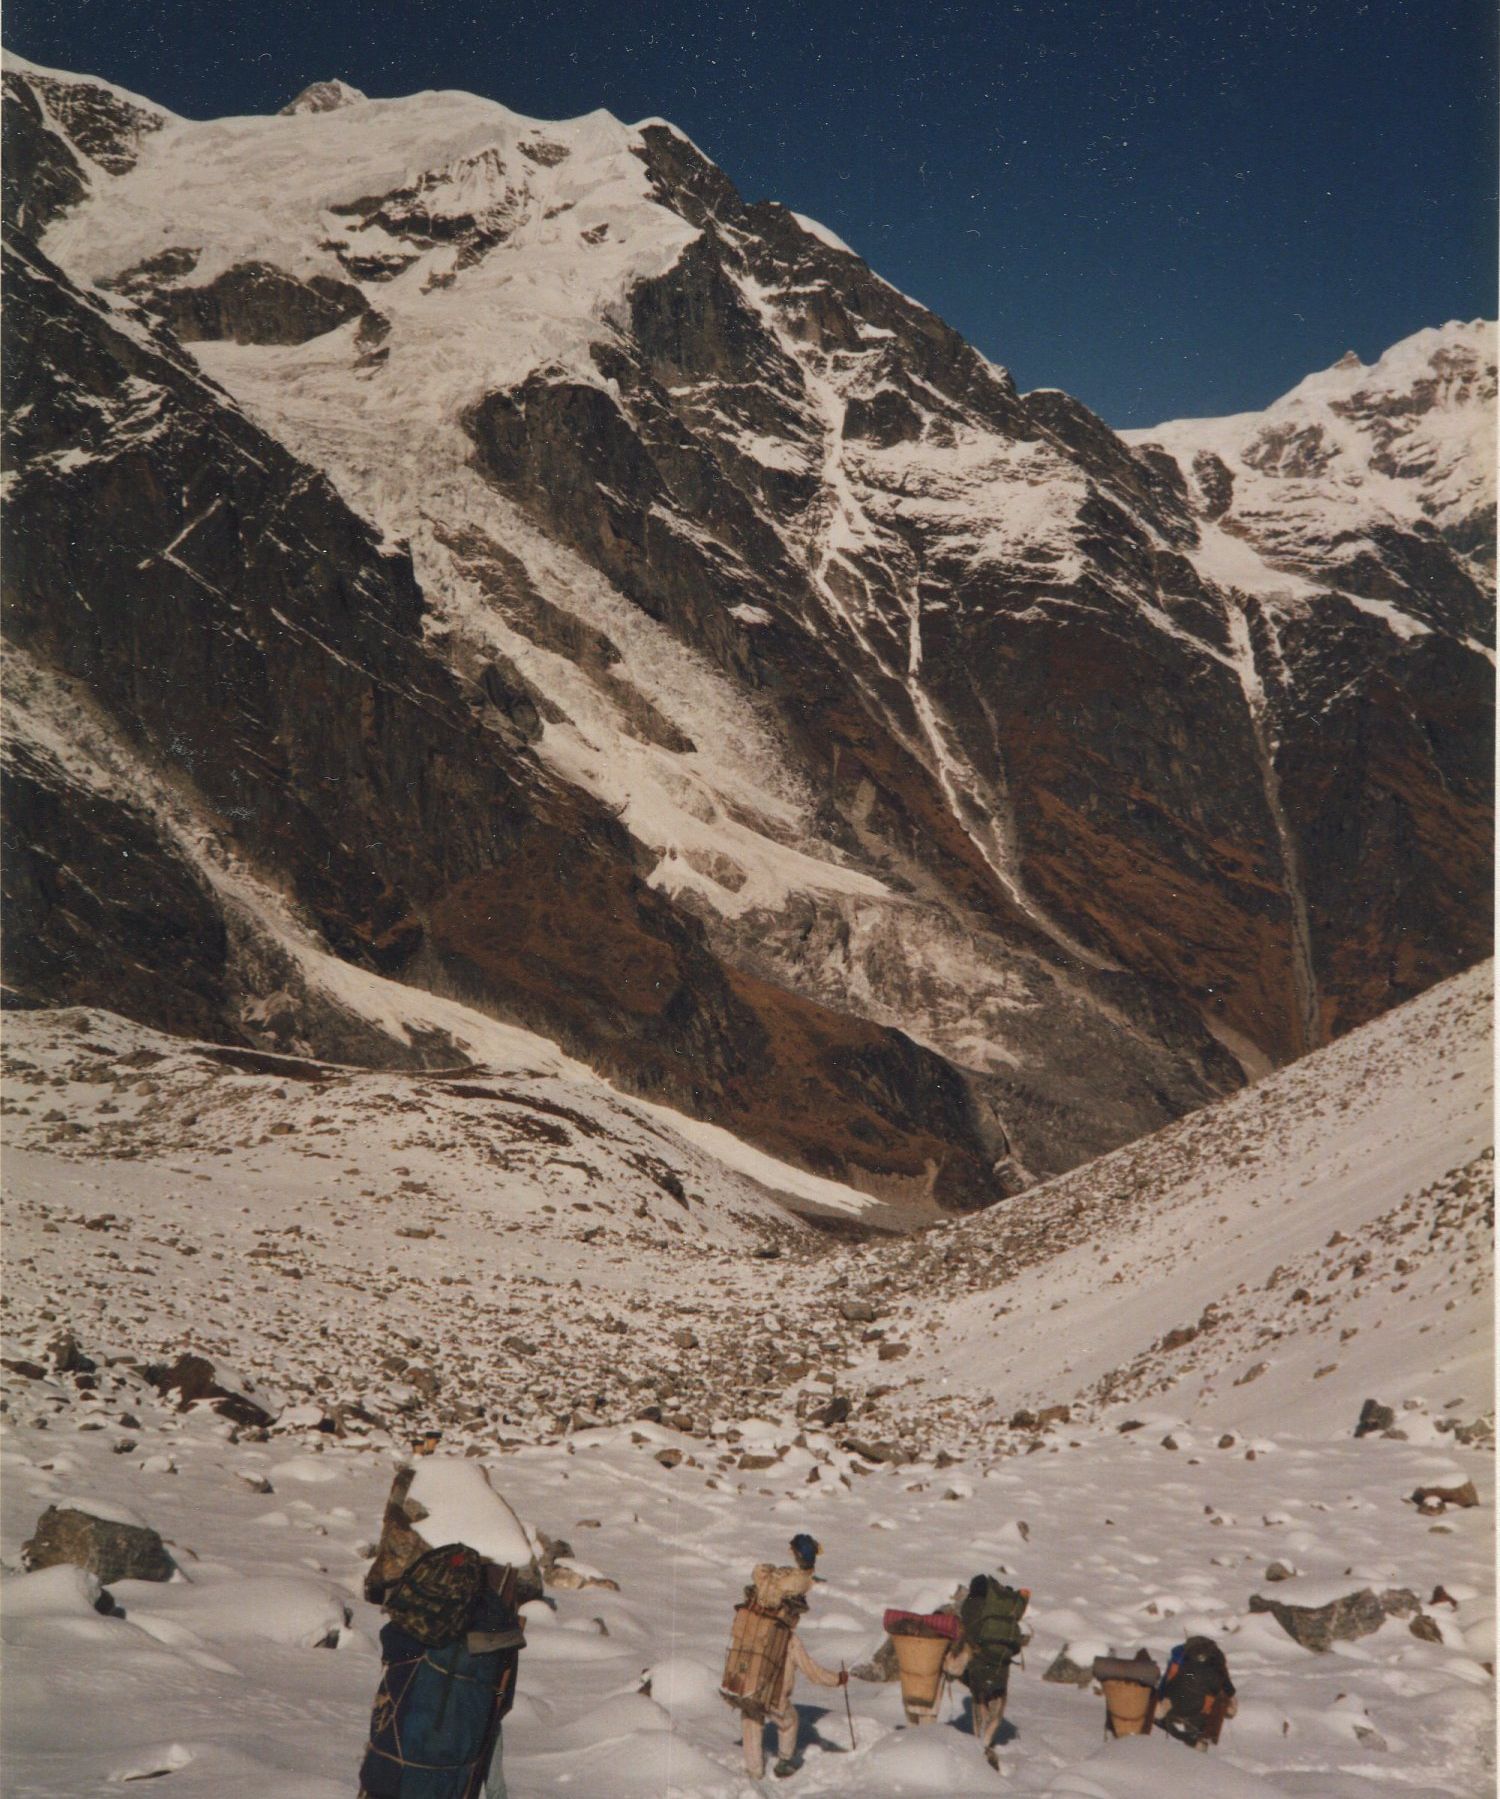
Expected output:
{"points": [[512, 563], [323, 96]]}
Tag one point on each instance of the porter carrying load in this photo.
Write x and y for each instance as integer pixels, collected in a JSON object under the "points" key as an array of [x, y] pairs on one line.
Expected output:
{"points": [[447, 1681], [1129, 1689], [923, 1642], [765, 1657], [1196, 1694], [991, 1616]]}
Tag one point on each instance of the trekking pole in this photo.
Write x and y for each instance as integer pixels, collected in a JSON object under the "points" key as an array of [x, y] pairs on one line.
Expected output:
{"points": [[848, 1710]]}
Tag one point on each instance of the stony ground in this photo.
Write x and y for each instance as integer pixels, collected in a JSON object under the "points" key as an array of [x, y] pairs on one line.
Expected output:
{"points": [[1134, 1389]]}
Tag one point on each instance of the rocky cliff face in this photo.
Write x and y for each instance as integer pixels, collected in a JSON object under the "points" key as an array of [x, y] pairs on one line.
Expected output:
{"points": [[613, 602], [247, 633]]}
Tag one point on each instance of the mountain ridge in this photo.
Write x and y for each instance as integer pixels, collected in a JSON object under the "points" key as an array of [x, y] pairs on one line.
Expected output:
{"points": [[854, 640]]}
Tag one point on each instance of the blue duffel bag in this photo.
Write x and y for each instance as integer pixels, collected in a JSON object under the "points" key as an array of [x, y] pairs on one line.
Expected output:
{"points": [[437, 1714]]}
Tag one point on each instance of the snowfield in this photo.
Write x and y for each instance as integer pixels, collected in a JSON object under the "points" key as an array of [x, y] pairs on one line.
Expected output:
{"points": [[379, 1255]]}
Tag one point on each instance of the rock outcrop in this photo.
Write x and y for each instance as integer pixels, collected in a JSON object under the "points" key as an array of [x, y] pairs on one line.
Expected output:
{"points": [[250, 634]]}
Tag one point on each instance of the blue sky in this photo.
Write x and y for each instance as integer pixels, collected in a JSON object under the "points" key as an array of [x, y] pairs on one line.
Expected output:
{"points": [[1166, 209]]}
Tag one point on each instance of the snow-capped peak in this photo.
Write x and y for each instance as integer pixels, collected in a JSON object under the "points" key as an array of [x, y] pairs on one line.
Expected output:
{"points": [[324, 96], [1408, 439], [1446, 353]]}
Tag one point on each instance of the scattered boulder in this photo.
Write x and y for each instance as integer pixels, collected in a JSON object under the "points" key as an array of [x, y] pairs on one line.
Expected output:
{"points": [[1280, 1571], [872, 1452], [1373, 1416], [1440, 1498], [1065, 1672], [1425, 1628], [560, 1570], [572, 1579], [858, 1311], [111, 1549], [66, 1357], [881, 1666]]}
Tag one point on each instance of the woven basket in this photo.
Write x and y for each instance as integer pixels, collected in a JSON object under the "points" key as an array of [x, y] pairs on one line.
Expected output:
{"points": [[1130, 1706], [920, 1660]]}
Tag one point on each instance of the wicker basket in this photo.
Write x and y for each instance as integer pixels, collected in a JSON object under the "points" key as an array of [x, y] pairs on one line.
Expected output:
{"points": [[756, 1661], [1130, 1706], [920, 1660]]}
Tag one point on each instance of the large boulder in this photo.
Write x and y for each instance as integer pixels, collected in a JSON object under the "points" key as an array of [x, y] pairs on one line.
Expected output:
{"points": [[1343, 1619], [192, 1378], [111, 1549]]}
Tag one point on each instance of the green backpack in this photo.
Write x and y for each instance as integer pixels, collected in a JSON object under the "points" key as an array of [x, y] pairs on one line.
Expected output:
{"points": [[436, 1596], [991, 1617]]}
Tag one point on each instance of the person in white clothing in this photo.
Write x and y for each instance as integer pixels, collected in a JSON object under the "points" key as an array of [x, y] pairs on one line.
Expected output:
{"points": [[780, 1711]]}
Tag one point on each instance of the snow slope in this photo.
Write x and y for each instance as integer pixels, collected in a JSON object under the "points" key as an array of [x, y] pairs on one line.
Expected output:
{"points": [[1358, 1179], [1339, 1240]]}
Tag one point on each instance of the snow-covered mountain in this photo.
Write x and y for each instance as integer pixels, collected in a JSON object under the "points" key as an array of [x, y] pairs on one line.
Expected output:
{"points": [[516, 564]]}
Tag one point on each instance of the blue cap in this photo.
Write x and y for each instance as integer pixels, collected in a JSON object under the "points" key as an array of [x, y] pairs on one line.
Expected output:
{"points": [[805, 1548]]}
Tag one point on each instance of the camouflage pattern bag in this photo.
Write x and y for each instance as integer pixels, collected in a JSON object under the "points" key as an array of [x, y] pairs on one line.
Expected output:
{"points": [[436, 1596]]}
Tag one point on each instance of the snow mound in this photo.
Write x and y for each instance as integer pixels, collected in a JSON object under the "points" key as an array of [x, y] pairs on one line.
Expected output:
{"points": [[1147, 1767], [682, 1686], [299, 1614], [926, 1761], [63, 1591], [462, 1507]]}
